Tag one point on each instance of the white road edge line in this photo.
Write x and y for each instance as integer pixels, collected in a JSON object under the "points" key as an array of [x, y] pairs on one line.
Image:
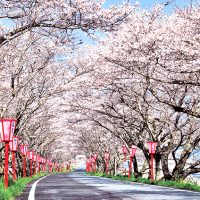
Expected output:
{"points": [[32, 191]]}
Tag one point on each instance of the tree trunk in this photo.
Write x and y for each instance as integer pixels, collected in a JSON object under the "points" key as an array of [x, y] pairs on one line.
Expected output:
{"points": [[157, 166], [165, 168], [135, 166]]}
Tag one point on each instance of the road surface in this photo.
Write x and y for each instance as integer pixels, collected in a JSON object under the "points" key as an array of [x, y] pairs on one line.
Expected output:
{"points": [[78, 186]]}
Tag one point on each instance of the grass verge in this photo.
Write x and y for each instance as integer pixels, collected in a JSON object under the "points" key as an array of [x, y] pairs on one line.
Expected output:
{"points": [[173, 184], [16, 188]]}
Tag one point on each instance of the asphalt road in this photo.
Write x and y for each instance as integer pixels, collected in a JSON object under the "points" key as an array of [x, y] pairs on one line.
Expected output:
{"points": [[78, 186]]}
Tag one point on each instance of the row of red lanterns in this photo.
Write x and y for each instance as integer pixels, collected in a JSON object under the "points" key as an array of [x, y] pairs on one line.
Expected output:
{"points": [[91, 163], [7, 128], [152, 150]]}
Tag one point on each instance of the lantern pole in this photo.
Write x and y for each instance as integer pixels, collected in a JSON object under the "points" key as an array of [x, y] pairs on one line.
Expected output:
{"points": [[95, 162], [31, 158], [39, 161], [31, 168], [34, 167], [6, 164], [45, 166], [51, 167], [89, 167], [34, 162], [13, 165], [24, 166], [92, 163], [152, 170], [130, 167], [38, 166], [152, 151], [107, 155], [95, 166], [125, 162], [42, 164]]}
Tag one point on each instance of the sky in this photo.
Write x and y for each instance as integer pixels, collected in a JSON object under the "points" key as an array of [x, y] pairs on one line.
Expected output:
{"points": [[144, 4], [147, 4]]}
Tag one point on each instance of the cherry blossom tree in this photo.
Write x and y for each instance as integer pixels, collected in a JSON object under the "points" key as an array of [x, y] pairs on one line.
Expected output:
{"points": [[35, 44], [141, 87]]}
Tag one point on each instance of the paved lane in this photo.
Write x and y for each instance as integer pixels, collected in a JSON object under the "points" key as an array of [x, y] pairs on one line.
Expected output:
{"points": [[61, 187], [135, 191], [77, 186]]}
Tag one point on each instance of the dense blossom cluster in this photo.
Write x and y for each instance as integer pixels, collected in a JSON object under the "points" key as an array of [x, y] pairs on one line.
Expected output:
{"points": [[143, 86], [36, 40]]}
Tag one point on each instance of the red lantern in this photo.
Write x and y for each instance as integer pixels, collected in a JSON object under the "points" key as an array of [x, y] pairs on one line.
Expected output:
{"points": [[44, 164], [24, 149], [35, 158], [13, 147], [95, 163], [7, 128], [14, 144], [152, 151], [39, 161], [31, 155], [106, 155], [152, 147], [51, 165]]}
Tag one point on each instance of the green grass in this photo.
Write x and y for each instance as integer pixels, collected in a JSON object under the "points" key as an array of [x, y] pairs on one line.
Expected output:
{"points": [[174, 184], [16, 188]]}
